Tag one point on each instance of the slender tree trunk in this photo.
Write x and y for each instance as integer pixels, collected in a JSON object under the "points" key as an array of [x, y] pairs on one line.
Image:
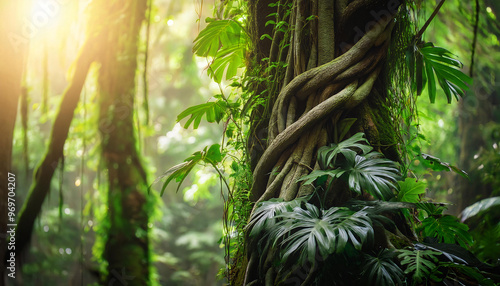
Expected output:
{"points": [[13, 49], [127, 244], [335, 69], [55, 151]]}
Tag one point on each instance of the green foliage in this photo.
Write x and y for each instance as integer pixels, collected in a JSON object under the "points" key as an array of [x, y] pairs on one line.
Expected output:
{"points": [[410, 190], [225, 41], [483, 218], [367, 171], [421, 264], [214, 111], [264, 216], [447, 229], [381, 270], [304, 230], [481, 208], [437, 165], [428, 63], [210, 155], [327, 155]]}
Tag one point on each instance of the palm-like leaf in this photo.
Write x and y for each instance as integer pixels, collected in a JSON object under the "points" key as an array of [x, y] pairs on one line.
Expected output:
{"points": [[307, 231], [429, 64], [381, 269], [375, 175]]}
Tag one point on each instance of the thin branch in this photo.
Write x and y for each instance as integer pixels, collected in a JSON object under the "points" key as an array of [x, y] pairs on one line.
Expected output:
{"points": [[419, 34]]}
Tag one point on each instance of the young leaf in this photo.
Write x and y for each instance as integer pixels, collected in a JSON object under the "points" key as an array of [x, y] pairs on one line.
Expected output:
{"points": [[219, 33], [327, 156], [179, 172], [410, 189], [227, 60], [214, 111]]}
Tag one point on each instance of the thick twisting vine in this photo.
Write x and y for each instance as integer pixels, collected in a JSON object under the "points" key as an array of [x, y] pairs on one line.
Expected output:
{"points": [[316, 92]]}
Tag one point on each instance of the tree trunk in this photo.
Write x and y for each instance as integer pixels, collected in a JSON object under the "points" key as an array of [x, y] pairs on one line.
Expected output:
{"points": [[13, 49], [127, 242], [55, 151], [335, 69]]}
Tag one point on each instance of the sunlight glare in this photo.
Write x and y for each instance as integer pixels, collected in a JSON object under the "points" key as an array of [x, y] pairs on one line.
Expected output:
{"points": [[441, 123], [170, 22]]}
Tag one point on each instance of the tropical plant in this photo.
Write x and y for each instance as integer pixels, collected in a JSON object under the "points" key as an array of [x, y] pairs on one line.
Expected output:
{"points": [[381, 270], [301, 97], [366, 171], [420, 264]]}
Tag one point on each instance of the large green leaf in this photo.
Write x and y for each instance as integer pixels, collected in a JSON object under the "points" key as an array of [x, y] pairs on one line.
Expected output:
{"points": [[429, 64], [447, 229], [421, 264], [264, 215], [373, 174], [381, 270], [481, 207], [213, 111], [410, 190], [308, 231], [327, 155]]}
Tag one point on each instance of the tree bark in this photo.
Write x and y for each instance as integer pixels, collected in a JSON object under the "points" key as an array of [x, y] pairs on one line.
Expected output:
{"points": [[335, 69], [127, 242], [12, 57]]}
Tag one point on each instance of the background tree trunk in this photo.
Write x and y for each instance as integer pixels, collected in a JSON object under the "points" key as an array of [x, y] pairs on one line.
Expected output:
{"points": [[13, 47], [335, 69], [127, 242]]}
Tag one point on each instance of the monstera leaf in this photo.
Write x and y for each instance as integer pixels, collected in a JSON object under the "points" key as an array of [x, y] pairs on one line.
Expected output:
{"points": [[373, 174], [381, 270], [327, 155], [421, 264], [308, 230]]}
